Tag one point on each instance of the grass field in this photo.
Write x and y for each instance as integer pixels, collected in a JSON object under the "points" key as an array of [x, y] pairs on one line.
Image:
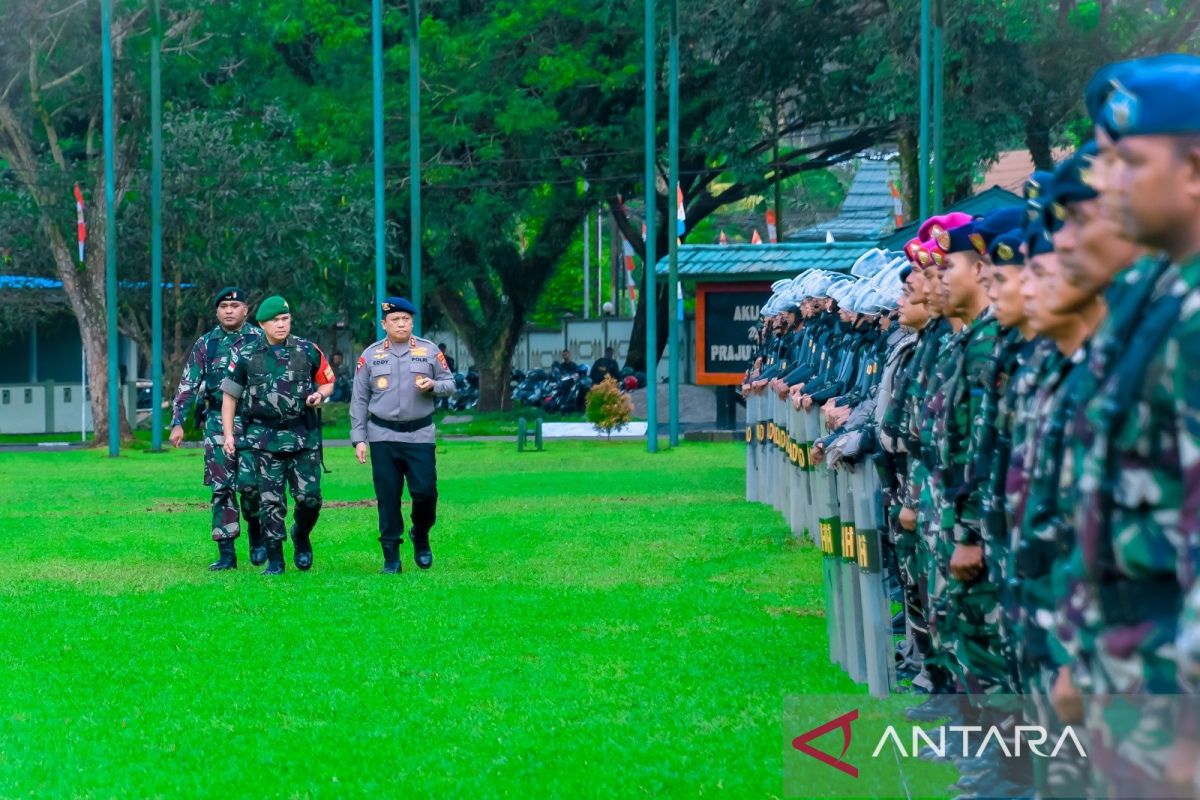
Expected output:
{"points": [[336, 425], [598, 622]]}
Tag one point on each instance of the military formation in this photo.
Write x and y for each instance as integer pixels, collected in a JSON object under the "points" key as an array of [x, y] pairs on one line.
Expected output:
{"points": [[256, 392], [998, 431]]}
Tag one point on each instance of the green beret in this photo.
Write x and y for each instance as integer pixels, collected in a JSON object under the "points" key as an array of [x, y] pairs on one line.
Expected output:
{"points": [[271, 308]]}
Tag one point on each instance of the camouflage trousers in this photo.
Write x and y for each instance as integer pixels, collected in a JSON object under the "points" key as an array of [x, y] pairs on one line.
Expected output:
{"points": [[932, 585], [298, 471], [229, 477], [907, 546], [974, 638], [1065, 775], [1132, 718]]}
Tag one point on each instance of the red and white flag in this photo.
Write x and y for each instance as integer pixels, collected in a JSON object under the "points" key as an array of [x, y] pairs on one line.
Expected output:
{"points": [[82, 227], [756, 239], [722, 239], [680, 214], [772, 235], [897, 205]]}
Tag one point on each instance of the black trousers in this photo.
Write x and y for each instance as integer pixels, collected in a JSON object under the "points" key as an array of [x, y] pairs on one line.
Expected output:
{"points": [[392, 463]]}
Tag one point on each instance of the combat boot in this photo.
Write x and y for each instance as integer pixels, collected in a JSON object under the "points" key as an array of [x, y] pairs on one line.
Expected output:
{"points": [[391, 558], [227, 556], [302, 545], [258, 545], [274, 557], [421, 552], [938, 706]]}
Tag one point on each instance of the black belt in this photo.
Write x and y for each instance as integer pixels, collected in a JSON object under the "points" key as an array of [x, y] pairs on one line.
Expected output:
{"points": [[403, 427], [282, 423], [1126, 602]]}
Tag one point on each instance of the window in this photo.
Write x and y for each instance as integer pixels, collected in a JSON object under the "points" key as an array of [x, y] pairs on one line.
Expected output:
{"points": [[66, 394], [28, 396], [5, 397]]}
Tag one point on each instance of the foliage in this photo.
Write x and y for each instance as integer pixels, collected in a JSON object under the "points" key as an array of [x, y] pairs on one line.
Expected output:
{"points": [[608, 408], [241, 207]]}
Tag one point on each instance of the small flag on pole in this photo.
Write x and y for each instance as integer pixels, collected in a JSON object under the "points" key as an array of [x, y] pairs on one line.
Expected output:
{"points": [[897, 205], [756, 239], [680, 214], [772, 235], [82, 226]]}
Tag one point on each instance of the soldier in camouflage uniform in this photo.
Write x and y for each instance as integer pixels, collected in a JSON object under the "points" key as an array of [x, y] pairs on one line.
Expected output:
{"points": [[200, 385], [894, 461], [277, 382], [917, 515], [968, 595], [1138, 522]]}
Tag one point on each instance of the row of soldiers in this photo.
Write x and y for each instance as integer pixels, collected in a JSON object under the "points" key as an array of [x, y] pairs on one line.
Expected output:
{"points": [[1026, 385]]}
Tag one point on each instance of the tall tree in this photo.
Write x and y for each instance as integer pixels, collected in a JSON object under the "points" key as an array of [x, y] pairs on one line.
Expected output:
{"points": [[50, 134]]}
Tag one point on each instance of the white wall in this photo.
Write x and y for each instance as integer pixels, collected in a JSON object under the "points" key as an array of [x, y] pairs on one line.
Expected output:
{"points": [[19, 416], [22, 409]]}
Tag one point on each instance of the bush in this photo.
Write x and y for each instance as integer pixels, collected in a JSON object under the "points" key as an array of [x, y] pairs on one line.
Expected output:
{"points": [[608, 408]]}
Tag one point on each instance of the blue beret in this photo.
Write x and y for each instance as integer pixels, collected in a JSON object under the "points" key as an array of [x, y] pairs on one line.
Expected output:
{"points": [[394, 304], [1154, 97], [1037, 188], [1005, 250], [1037, 241], [1101, 86], [998, 221], [905, 271], [1072, 184]]}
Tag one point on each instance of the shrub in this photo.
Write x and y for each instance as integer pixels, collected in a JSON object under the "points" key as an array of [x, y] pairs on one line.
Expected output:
{"points": [[608, 408]]}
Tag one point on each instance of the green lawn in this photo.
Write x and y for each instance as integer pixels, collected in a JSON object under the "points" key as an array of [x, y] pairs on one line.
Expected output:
{"points": [[336, 425], [599, 622]]}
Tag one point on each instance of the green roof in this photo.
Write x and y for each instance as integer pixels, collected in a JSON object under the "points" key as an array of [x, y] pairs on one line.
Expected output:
{"points": [[727, 262], [975, 205]]}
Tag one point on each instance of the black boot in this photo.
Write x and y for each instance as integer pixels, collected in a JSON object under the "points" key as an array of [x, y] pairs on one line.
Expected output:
{"points": [[226, 556], [302, 547], [258, 546], [391, 558], [274, 557], [421, 552]]}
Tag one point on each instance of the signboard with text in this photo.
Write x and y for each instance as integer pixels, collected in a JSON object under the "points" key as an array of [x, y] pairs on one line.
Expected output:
{"points": [[725, 315]]}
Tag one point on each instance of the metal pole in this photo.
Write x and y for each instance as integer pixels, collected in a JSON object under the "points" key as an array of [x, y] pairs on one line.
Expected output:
{"points": [[650, 282], [110, 230], [600, 261], [414, 152], [672, 240], [938, 81], [156, 287], [587, 266], [923, 135], [377, 112]]}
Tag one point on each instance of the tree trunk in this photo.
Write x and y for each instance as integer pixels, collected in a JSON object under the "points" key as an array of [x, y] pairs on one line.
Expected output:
{"points": [[906, 144], [1037, 139], [494, 371], [637, 337], [85, 293]]}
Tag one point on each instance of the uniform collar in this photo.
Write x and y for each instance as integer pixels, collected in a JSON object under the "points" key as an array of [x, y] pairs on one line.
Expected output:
{"points": [[400, 349]]}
